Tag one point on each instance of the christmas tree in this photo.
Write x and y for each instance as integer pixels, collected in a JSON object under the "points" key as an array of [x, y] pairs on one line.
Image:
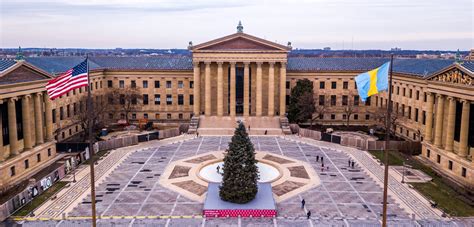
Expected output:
{"points": [[239, 181]]}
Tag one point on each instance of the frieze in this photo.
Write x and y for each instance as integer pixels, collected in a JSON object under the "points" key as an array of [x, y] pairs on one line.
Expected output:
{"points": [[456, 77]]}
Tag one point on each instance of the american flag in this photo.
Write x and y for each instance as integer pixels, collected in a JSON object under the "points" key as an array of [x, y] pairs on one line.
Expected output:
{"points": [[70, 80]]}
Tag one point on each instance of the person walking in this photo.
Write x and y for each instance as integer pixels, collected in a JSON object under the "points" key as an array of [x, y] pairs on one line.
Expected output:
{"points": [[308, 215], [322, 164], [322, 158], [265, 132], [317, 158], [349, 162], [352, 164], [303, 203]]}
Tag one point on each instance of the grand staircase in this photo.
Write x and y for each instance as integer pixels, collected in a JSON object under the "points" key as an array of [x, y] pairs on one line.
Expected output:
{"points": [[214, 125]]}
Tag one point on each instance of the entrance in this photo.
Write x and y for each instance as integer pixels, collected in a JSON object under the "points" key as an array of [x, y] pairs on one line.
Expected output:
{"points": [[239, 90]]}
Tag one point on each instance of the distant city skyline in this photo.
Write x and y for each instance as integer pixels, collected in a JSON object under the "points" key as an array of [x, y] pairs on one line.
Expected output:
{"points": [[339, 24]]}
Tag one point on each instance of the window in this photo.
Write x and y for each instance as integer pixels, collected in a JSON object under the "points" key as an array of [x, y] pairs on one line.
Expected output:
{"points": [[416, 114], [322, 85], [356, 100], [157, 116], [404, 89], [122, 99], [417, 95], [191, 100], [145, 99], [168, 84], [134, 100], [345, 85], [169, 100], [38, 157], [180, 84], [180, 116], [333, 116], [157, 100], [333, 85], [287, 84], [27, 164], [398, 90], [12, 171], [344, 100], [111, 116], [53, 112], [61, 113], [450, 165], [356, 116], [333, 100], [321, 100], [463, 172], [424, 97], [96, 85], [49, 152], [367, 117], [191, 84], [134, 116], [145, 115], [410, 93], [438, 158], [344, 117], [321, 116], [168, 116], [428, 153], [180, 99], [68, 110], [100, 84], [409, 112], [74, 109], [121, 84], [110, 99], [157, 84], [355, 85], [133, 84], [145, 84], [424, 117]]}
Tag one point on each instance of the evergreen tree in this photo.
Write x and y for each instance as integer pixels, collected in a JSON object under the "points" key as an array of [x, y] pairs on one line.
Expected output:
{"points": [[302, 106], [239, 181]]}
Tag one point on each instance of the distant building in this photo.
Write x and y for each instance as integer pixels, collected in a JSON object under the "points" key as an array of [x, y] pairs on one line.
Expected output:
{"points": [[327, 48], [470, 56], [396, 49]]}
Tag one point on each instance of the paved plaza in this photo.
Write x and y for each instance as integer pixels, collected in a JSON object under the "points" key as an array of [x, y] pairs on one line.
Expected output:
{"points": [[131, 195]]}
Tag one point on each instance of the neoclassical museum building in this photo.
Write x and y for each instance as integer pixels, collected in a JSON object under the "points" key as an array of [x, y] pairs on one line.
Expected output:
{"points": [[238, 76]]}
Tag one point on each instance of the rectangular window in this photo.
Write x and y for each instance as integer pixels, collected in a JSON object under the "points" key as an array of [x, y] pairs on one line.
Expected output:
{"points": [[180, 84], [61, 113], [322, 84], [191, 84], [180, 99], [345, 85], [180, 116], [68, 111], [122, 99], [367, 116], [321, 100], [38, 157], [27, 164], [168, 84], [398, 90], [424, 97], [145, 115], [333, 116], [344, 117], [463, 172], [110, 99], [134, 101], [53, 112], [169, 100], [416, 114], [134, 116], [157, 116], [12, 171], [157, 84], [145, 99], [450, 165], [168, 116], [417, 95], [333, 85], [410, 93], [344, 100], [191, 100], [333, 100], [355, 85], [49, 152], [145, 84], [356, 116], [356, 100], [409, 112], [428, 153], [157, 99], [424, 117], [133, 84], [287, 84], [121, 84], [438, 158], [111, 116], [404, 89]]}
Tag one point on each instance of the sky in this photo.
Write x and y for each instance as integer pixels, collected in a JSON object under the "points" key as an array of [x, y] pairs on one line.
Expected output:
{"points": [[308, 24]]}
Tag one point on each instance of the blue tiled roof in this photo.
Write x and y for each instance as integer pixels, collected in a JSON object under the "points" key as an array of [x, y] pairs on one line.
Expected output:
{"points": [[146, 63], [469, 65], [55, 65], [6, 63], [420, 67]]}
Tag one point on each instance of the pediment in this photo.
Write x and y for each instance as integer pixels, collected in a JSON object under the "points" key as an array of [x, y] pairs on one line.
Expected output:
{"points": [[240, 42], [22, 72], [453, 75]]}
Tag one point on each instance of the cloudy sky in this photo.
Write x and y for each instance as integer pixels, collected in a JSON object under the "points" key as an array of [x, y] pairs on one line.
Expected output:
{"points": [[339, 24]]}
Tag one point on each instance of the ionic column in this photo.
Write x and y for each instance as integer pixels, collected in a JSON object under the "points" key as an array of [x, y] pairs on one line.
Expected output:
{"points": [[439, 120], [49, 117], [12, 132], [451, 121], [207, 73], [25, 113], [271, 90], [246, 89], [2, 155], [463, 148], [283, 89], [232, 89], [220, 90], [429, 118], [38, 119], [197, 89], [259, 89]]}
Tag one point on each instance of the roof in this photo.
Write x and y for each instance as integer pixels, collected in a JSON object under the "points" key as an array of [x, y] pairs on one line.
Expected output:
{"points": [[419, 67], [6, 63], [145, 63], [469, 65]]}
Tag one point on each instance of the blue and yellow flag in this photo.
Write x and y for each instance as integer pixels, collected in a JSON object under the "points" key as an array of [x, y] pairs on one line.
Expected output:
{"points": [[373, 81]]}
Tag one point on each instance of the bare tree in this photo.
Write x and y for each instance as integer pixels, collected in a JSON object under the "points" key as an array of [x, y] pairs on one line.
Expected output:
{"points": [[100, 107], [318, 112], [126, 99], [348, 110], [380, 114]]}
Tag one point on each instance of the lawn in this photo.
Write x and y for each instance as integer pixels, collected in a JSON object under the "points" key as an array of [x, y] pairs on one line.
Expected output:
{"points": [[37, 201], [448, 199]]}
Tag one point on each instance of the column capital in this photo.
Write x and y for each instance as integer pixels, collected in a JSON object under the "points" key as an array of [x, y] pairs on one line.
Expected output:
{"points": [[196, 64], [27, 96], [439, 96], [12, 99], [259, 63], [451, 98], [233, 63], [246, 63], [465, 101], [219, 63], [207, 63], [271, 63], [283, 64]]}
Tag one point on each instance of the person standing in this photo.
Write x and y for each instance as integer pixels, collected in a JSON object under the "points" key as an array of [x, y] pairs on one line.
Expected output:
{"points": [[317, 158], [308, 215], [349, 162], [322, 158], [303, 203], [352, 164]]}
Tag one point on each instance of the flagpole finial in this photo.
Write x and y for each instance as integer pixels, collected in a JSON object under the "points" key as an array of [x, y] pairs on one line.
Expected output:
{"points": [[240, 28]]}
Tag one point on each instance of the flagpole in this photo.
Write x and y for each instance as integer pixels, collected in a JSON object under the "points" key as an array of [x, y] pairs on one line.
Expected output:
{"points": [[387, 140], [91, 149]]}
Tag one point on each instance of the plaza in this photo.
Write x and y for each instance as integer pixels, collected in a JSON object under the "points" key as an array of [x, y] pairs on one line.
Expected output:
{"points": [[129, 192]]}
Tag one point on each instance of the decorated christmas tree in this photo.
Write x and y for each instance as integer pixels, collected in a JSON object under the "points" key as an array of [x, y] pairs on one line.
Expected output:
{"points": [[239, 181]]}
